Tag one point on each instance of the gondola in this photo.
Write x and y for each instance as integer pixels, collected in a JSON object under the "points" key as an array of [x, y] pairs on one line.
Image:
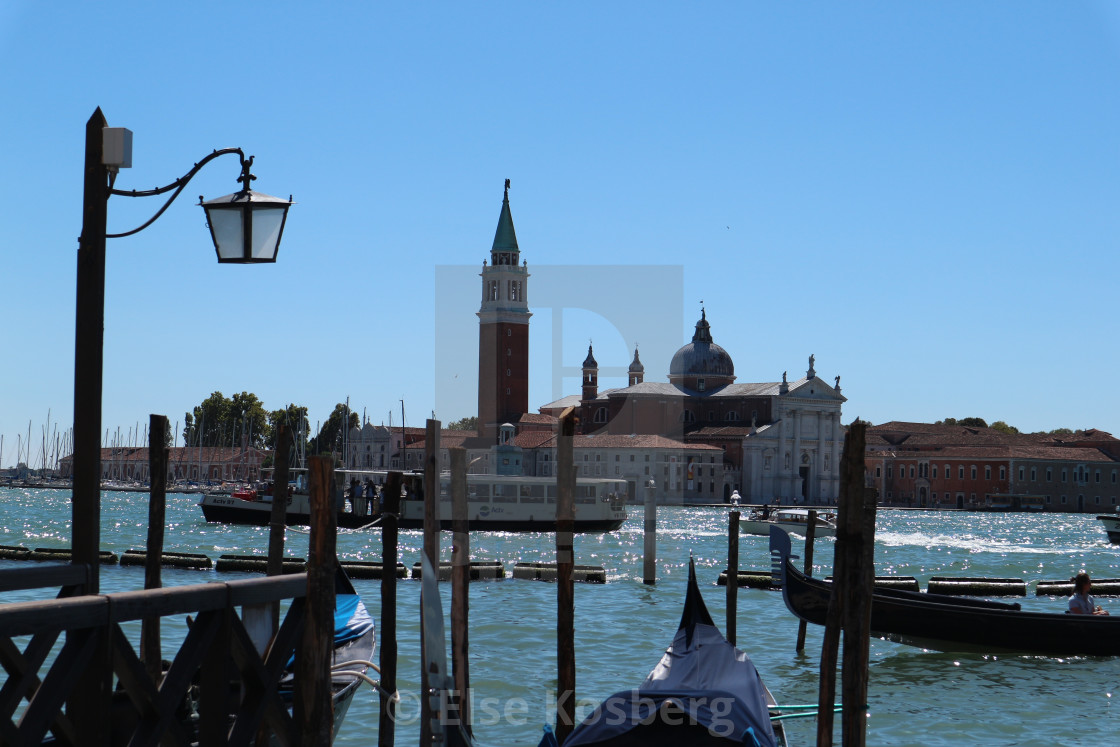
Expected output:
{"points": [[947, 623], [703, 693], [354, 645]]}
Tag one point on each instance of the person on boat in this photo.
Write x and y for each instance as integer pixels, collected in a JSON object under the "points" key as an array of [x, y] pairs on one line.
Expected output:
{"points": [[1082, 603], [355, 492], [735, 498]]}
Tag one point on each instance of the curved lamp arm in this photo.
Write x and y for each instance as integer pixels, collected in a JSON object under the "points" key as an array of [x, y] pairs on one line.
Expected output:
{"points": [[178, 186]]}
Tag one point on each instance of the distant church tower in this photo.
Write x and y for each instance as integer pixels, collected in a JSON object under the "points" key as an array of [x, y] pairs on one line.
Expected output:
{"points": [[590, 377], [503, 332], [637, 371]]}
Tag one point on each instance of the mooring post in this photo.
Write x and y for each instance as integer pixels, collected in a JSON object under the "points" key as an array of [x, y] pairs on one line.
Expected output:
{"points": [[157, 509], [565, 589], [460, 585], [844, 571], [649, 566], [859, 587], [732, 573], [314, 712], [390, 512], [278, 517], [431, 549], [810, 536]]}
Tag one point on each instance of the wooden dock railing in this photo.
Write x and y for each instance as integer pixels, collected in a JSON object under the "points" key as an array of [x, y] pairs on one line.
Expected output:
{"points": [[218, 690]]}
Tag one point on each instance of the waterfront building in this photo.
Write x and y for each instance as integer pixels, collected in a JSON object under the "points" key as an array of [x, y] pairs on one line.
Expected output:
{"points": [[778, 440], [200, 464], [369, 447], [952, 466]]}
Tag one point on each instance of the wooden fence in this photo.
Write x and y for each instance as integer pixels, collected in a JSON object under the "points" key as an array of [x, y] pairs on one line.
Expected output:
{"points": [[218, 690]]}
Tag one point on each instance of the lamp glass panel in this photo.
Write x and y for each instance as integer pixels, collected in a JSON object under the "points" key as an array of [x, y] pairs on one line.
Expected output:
{"points": [[229, 234], [267, 224]]}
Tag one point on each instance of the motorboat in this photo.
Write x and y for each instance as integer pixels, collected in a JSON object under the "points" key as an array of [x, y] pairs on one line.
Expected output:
{"points": [[794, 520], [1111, 526]]}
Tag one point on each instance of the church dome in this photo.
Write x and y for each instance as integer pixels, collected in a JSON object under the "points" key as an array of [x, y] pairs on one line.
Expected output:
{"points": [[702, 359]]}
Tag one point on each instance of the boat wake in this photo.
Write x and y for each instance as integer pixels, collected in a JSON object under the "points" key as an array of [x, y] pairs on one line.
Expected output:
{"points": [[970, 542]]}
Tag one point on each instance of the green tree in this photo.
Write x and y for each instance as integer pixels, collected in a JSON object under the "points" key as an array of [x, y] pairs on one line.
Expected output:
{"points": [[1003, 427], [966, 422], [466, 424], [329, 439], [291, 416], [219, 421]]}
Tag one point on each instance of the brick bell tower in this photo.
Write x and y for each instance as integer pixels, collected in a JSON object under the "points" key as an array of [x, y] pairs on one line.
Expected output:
{"points": [[503, 332]]}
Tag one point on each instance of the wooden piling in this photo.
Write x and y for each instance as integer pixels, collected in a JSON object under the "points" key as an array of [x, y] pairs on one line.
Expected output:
{"points": [[849, 606], [460, 585], [565, 588], [861, 586], [278, 517], [157, 509], [313, 709], [649, 566], [431, 549], [732, 573], [810, 535], [390, 513]]}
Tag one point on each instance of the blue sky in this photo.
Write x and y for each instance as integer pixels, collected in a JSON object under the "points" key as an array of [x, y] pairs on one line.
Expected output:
{"points": [[923, 195]]}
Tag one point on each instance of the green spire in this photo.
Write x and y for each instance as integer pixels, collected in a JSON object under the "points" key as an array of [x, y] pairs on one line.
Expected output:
{"points": [[505, 238]]}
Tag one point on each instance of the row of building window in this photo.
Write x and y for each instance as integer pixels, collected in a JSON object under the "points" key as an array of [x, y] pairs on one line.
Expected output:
{"points": [[687, 416], [948, 498], [1080, 475]]}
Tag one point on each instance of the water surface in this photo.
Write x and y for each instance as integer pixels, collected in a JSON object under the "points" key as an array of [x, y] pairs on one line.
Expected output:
{"points": [[916, 697]]}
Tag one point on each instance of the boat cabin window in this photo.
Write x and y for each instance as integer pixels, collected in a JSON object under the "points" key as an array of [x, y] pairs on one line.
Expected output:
{"points": [[504, 493], [532, 493], [585, 494], [479, 493]]}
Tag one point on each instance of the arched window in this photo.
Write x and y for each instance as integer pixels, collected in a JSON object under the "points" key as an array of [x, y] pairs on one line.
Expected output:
{"points": [[731, 417], [688, 417], [601, 415]]}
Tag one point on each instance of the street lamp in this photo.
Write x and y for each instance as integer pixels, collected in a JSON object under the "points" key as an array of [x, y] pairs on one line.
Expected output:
{"points": [[246, 225], [246, 228]]}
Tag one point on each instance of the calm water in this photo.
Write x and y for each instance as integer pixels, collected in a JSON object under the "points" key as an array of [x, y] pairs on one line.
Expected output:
{"points": [[916, 697]]}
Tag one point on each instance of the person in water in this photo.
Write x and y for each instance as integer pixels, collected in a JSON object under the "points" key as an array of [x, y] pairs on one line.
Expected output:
{"points": [[1082, 603]]}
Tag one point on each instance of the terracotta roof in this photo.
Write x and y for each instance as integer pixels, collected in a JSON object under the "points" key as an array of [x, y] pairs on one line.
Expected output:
{"points": [[534, 439], [1003, 451], [716, 431], [637, 441], [447, 439], [572, 400], [538, 417], [649, 388]]}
